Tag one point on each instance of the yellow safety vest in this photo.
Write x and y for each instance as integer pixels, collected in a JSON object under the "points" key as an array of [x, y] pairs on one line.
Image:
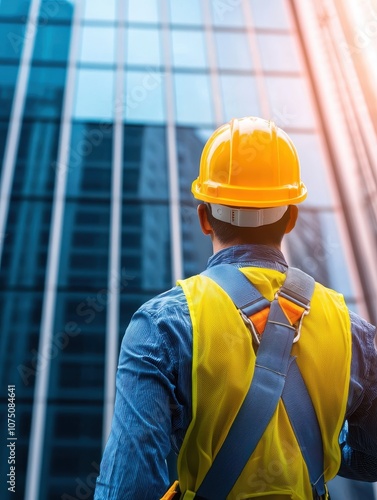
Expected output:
{"points": [[222, 368]]}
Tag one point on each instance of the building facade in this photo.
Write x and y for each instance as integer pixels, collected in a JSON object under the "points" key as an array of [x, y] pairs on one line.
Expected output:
{"points": [[104, 110]]}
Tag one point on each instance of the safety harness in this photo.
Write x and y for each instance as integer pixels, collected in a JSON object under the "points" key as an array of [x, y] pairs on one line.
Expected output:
{"points": [[274, 326]]}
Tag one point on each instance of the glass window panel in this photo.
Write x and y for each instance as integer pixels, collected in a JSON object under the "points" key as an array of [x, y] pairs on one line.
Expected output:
{"points": [[89, 169], [8, 75], [186, 12], [52, 43], [12, 36], [98, 10], [270, 14], [20, 325], [83, 265], [146, 256], [316, 248], [188, 49], [240, 96], [313, 170], [227, 13], [145, 175], [26, 242], [94, 95], [233, 51], [290, 102], [193, 99], [144, 97], [98, 45], [3, 138], [278, 52], [143, 47], [45, 92], [56, 9], [143, 12], [36, 158], [10, 8]]}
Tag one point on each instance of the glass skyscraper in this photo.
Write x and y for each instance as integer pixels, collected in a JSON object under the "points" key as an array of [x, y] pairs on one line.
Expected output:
{"points": [[104, 109]]}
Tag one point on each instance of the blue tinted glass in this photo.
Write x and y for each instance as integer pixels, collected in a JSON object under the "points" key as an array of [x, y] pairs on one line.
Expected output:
{"points": [[8, 75], [20, 325], [314, 171], [270, 14], [278, 52], [188, 49], [52, 43], [45, 92], [196, 247], [94, 95], [233, 51], [36, 158], [98, 10], [240, 96], [12, 36], [3, 138], [193, 99], [26, 242], [10, 8], [89, 169], [146, 257], [144, 97], [145, 174], [143, 47], [98, 45], [147, 11], [225, 13], [290, 102], [85, 244], [56, 9], [186, 12]]}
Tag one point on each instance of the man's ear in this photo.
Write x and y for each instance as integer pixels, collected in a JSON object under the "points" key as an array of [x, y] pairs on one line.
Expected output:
{"points": [[203, 219], [293, 213]]}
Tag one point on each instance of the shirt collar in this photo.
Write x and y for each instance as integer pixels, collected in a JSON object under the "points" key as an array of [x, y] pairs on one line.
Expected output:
{"points": [[250, 255]]}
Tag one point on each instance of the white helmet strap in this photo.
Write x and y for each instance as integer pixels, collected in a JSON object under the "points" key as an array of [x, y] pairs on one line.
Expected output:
{"points": [[247, 217]]}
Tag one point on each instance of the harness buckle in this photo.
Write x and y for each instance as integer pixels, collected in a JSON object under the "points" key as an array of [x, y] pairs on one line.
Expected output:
{"points": [[250, 326]]}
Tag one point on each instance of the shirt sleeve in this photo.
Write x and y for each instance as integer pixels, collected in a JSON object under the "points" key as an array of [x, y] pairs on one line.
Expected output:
{"points": [[134, 461], [358, 439]]}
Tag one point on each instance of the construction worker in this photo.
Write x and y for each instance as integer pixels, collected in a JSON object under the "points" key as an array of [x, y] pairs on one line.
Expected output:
{"points": [[261, 379]]}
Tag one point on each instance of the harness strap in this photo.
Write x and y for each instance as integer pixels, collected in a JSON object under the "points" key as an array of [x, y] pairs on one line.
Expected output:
{"points": [[270, 380]]}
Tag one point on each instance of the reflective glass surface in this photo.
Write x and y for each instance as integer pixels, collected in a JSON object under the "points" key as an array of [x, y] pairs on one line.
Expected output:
{"points": [[85, 244], [52, 43], [186, 12], [233, 51], [240, 97], [145, 174], [10, 8], [98, 10], [144, 97], [89, 168], [228, 13], [143, 47], [278, 52], [51, 10], [271, 14], [97, 45], [3, 138], [12, 36], [25, 244], [193, 99], [195, 246], [8, 75], [188, 49], [290, 102], [94, 97], [147, 11], [45, 92]]}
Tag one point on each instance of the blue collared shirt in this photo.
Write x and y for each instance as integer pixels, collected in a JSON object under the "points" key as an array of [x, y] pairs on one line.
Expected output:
{"points": [[153, 399]]}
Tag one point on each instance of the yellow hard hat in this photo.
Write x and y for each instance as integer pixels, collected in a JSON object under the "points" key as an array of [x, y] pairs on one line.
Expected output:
{"points": [[249, 162]]}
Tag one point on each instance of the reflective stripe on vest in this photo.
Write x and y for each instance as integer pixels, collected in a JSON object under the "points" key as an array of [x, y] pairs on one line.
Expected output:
{"points": [[223, 365]]}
